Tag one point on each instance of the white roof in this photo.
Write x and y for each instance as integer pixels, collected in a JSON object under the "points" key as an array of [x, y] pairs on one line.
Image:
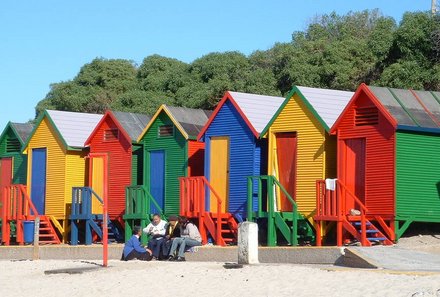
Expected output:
{"points": [[329, 104], [259, 109], [74, 127]]}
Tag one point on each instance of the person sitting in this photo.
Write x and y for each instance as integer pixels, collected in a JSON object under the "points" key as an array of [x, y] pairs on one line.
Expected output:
{"points": [[189, 237], [156, 231], [172, 231], [134, 250]]}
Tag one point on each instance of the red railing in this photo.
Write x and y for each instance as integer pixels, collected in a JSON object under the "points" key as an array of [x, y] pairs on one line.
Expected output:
{"points": [[192, 201], [331, 205], [16, 206]]}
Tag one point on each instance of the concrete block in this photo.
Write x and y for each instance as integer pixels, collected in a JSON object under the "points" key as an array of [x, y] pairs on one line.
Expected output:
{"points": [[248, 243]]}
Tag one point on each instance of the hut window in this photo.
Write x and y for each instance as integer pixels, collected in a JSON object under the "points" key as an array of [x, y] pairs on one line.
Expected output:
{"points": [[166, 130], [111, 134], [365, 116], [12, 145]]}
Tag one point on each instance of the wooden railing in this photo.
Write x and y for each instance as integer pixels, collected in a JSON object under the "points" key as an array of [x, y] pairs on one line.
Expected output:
{"points": [[193, 193], [138, 201], [82, 200], [16, 206], [271, 184], [332, 205]]}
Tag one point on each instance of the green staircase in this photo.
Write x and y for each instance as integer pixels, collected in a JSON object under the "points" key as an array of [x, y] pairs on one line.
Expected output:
{"points": [[289, 228], [138, 202]]}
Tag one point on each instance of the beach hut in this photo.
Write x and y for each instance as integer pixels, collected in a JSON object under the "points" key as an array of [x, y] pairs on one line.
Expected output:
{"points": [[234, 150], [13, 163], [12, 171], [112, 148], [301, 150], [388, 165], [171, 151], [56, 162]]}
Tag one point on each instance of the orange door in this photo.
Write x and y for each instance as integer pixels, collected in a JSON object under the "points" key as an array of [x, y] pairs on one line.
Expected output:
{"points": [[219, 171], [5, 171], [354, 169], [286, 158], [97, 182]]}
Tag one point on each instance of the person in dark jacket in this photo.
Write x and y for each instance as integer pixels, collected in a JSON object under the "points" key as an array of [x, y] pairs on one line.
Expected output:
{"points": [[172, 231], [134, 250]]}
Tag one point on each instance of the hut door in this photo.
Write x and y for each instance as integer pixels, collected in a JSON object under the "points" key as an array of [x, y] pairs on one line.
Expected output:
{"points": [[5, 172], [38, 179], [354, 171], [219, 171], [96, 182], [286, 163], [157, 179]]}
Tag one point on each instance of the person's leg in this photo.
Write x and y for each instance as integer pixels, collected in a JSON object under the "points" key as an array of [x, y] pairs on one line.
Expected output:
{"points": [[157, 248], [187, 243], [174, 245], [147, 256], [191, 242], [166, 245]]}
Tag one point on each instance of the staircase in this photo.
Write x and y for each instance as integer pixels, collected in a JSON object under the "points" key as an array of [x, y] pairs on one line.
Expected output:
{"points": [[17, 207], [373, 235], [220, 226], [291, 228], [47, 234], [138, 205], [82, 218], [332, 205]]}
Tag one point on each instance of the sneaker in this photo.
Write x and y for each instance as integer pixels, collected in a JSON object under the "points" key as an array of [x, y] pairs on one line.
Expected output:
{"points": [[171, 258], [180, 259]]}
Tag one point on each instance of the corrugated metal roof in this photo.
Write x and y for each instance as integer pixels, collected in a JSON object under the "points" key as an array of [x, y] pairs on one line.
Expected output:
{"points": [[259, 109], [327, 103], [74, 127], [191, 120], [23, 130], [410, 108], [133, 123]]}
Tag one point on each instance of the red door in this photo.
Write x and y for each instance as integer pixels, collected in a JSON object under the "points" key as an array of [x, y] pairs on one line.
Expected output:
{"points": [[354, 170], [286, 156], [5, 171]]}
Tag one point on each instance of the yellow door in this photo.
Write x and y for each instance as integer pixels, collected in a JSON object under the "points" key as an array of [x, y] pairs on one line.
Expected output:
{"points": [[97, 183], [219, 171]]}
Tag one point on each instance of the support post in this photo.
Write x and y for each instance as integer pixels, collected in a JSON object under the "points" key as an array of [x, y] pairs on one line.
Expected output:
{"points": [[248, 243], [36, 249]]}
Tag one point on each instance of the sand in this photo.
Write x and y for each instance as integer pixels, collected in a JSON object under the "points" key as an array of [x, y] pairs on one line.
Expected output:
{"points": [[27, 278], [136, 278]]}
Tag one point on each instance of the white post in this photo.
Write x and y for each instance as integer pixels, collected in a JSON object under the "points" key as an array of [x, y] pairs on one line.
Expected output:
{"points": [[36, 250], [248, 243]]}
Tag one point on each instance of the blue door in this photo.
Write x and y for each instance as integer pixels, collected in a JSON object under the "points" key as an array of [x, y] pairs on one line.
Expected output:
{"points": [[157, 179], [38, 179]]}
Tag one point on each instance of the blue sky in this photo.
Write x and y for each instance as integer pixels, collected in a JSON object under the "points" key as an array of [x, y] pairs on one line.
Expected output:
{"points": [[47, 41]]}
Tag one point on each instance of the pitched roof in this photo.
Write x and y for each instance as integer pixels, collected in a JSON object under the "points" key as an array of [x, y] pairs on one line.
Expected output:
{"points": [[189, 121], [325, 104], [132, 123], [256, 110], [74, 127], [23, 130], [406, 109], [417, 109]]}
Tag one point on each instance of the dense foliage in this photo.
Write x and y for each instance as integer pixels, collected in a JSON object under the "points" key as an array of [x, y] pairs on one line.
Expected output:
{"points": [[338, 52]]}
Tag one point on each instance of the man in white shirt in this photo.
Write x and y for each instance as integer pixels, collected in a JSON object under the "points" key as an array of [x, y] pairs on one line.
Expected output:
{"points": [[156, 230]]}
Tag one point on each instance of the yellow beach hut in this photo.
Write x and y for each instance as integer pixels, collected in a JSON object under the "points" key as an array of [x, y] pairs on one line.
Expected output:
{"points": [[56, 162], [301, 150]]}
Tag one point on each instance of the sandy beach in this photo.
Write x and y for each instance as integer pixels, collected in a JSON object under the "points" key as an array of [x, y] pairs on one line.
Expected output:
{"points": [[28, 278]]}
